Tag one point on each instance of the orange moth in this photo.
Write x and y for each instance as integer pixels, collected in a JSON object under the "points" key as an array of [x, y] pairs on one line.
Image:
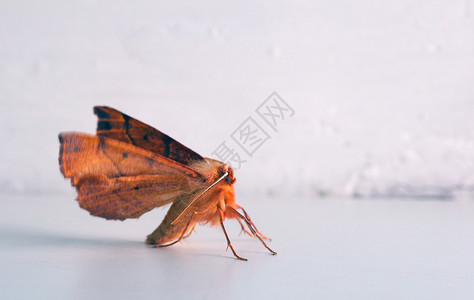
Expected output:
{"points": [[129, 168]]}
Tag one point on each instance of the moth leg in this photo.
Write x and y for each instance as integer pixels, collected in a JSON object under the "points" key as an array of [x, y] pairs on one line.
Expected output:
{"points": [[253, 225], [189, 233], [229, 244], [244, 230], [182, 234], [249, 224]]}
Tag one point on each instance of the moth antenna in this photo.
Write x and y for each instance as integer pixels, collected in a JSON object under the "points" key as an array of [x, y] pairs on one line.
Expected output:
{"points": [[199, 196]]}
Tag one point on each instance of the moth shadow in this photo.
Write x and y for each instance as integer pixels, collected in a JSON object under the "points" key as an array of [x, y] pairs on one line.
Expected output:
{"points": [[191, 252], [16, 237], [217, 248]]}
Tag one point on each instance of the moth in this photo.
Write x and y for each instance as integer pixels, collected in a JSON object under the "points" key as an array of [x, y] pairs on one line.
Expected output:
{"points": [[129, 168]]}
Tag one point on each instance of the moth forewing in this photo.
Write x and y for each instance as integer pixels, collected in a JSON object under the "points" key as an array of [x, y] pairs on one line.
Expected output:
{"points": [[116, 180]]}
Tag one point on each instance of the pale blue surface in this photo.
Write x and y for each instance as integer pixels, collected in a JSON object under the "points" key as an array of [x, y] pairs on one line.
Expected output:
{"points": [[328, 248]]}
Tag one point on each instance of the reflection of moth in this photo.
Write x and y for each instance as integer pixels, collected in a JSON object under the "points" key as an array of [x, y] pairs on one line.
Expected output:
{"points": [[129, 168]]}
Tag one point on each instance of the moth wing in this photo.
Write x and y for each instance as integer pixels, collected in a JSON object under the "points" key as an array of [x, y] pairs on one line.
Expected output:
{"points": [[130, 196], [119, 126], [83, 154], [117, 180]]}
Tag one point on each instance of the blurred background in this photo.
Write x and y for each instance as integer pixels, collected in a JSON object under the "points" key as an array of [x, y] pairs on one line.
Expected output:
{"points": [[382, 92]]}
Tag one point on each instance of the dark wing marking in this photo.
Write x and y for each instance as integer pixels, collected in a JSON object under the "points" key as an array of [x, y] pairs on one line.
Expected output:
{"points": [[119, 126]]}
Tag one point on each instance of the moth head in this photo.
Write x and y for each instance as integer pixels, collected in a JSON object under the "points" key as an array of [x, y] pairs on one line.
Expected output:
{"points": [[216, 170], [230, 179]]}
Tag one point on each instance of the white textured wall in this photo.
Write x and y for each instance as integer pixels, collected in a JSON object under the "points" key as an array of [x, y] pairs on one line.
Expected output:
{"points": [[383, 92]]}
